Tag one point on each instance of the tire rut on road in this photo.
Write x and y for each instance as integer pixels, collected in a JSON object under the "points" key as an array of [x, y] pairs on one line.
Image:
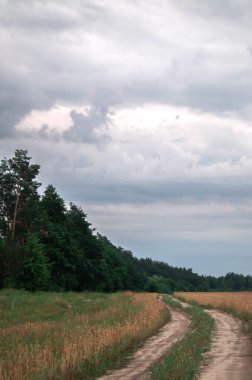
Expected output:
{"points": [[153, 349], [230, 357]]}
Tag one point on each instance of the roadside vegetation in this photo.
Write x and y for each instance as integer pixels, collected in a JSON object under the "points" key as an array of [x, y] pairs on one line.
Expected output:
{"points": [[237, 303], [183, 361], [72, 335], [172, 302]]}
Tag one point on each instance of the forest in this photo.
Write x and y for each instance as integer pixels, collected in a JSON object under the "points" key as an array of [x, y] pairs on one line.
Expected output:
{"points": [[48, 245]]}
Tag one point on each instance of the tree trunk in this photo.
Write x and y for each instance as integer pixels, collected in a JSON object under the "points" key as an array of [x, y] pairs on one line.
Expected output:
{"points": [[16, 210]]}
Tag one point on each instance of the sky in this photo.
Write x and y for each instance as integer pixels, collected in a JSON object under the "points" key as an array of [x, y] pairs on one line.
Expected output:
{"points": [[139, 112]]}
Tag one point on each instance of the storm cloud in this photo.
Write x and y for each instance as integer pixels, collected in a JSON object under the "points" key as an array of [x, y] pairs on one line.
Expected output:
{"points": [[89, 128], [133, 105], [182, 53]]}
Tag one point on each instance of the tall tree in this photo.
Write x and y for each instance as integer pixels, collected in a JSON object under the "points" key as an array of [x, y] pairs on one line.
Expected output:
{"points": [[18, 192], [54, 235], [34, 273], [53, 205], [88, 253]]}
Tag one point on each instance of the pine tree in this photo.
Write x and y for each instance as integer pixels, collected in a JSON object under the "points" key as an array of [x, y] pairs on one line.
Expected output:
{"points": [[18, 196], [34, 273]]}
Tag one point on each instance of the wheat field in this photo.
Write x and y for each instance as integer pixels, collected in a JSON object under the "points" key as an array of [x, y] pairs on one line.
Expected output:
{"points": [[77, 344], [240, 301]]}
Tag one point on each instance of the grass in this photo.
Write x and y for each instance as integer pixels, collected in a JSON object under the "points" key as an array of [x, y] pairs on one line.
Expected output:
{"points": [[19, 307], [239, 304], [183, 361], [172, 302], [47, 336]]}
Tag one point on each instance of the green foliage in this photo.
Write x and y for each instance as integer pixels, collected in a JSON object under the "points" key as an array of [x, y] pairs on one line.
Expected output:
{"points": [[18, 196], [53, 205], [34, 273], [76, 257], [159, 284]]}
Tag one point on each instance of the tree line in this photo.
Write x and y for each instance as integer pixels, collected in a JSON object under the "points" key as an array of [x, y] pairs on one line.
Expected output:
{"points": [[45, 245]]}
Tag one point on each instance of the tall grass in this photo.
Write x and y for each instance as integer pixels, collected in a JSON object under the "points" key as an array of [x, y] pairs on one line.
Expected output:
{"points": [[72, 336], [183, 361]]}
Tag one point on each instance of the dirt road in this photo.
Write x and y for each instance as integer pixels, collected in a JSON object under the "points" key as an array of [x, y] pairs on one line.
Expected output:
{"points": [[230, 357], [153, 349]]}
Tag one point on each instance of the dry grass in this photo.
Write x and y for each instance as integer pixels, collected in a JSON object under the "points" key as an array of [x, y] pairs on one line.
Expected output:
{"points": [[78, 344], [240, 301]]}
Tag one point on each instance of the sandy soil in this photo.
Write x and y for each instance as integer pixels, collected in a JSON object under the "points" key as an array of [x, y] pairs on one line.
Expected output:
{"points": [[230, 357], [153, 349]]}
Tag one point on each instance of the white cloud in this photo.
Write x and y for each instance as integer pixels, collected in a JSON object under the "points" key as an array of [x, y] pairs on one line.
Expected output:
{"points": [[57, 118], [150, 143]]}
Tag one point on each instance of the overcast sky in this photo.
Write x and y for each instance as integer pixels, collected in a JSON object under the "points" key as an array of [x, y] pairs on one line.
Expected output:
{"points": [[140, 112]]}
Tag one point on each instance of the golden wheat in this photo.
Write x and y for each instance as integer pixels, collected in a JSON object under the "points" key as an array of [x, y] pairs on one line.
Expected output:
{"points": [[63, 349], [240, 301]]}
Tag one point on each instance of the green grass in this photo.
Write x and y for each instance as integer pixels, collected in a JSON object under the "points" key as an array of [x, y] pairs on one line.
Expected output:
{"points": [[183, 361], [18, 307], [172, 302]]}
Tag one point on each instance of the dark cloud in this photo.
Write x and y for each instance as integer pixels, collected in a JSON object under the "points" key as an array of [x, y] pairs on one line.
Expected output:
{"points": [[45, 133], [19, 95], [39, 15], [229, 10], [218, 98], [13, 106], [122, 191], [90, 127], [99, 53]]}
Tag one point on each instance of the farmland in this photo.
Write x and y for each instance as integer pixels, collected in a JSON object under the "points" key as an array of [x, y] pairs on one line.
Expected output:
{"points": [[239, 301], [72, 335], [46, 335]]}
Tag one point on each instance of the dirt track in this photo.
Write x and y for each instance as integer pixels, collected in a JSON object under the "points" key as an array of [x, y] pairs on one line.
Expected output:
{"points": [[231, 355], [153, 349]]}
